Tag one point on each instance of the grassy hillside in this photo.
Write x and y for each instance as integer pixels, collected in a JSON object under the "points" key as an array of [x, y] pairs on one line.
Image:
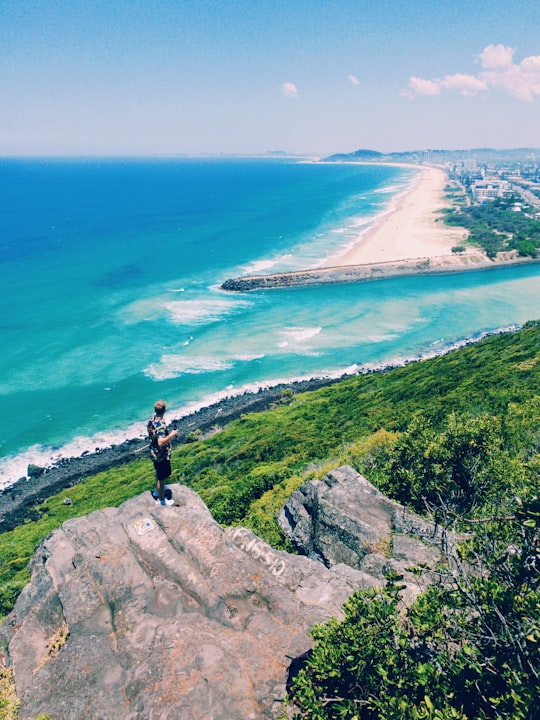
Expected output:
{"points": [[246, 471], [456, 437]]}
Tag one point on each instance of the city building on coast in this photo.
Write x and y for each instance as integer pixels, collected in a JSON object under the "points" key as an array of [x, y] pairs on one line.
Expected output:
{"points": [[485, 190]]}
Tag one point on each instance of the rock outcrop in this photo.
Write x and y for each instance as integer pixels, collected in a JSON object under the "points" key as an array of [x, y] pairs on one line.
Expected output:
{"points": [[158, 612], [345, 519]]}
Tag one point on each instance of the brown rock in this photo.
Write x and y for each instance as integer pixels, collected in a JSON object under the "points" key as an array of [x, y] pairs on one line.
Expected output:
{"points": [[169, 616]]}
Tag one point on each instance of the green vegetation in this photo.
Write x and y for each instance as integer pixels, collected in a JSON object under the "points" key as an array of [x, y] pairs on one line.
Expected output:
{"points": [[9, 702], [495, 226], [456, 437], [467, 649]]}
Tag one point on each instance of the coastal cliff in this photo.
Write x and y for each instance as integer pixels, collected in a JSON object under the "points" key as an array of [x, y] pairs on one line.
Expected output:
{"points": [[143, 611]]}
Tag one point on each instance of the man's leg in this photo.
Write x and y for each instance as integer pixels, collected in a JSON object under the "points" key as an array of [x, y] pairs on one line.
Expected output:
{"points": [[156, 490], [163, 471], [160, 485]]}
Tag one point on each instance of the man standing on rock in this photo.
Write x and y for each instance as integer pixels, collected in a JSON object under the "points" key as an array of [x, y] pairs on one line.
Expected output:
{"points": [[160, 451]]}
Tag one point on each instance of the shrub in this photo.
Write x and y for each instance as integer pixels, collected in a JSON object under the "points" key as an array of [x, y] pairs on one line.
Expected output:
{"points": [[467, 649]]}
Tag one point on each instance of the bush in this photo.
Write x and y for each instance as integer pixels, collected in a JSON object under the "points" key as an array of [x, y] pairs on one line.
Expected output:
{"points": [[467, 649], [527, 248], [9, 702], [459, 466]]}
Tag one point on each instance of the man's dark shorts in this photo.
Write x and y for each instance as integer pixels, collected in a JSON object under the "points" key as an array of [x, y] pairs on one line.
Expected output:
{"points": [[163, 469]]}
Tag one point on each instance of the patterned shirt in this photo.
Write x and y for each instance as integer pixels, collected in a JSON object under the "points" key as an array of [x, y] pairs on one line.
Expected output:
{"points": [[157, 428]]}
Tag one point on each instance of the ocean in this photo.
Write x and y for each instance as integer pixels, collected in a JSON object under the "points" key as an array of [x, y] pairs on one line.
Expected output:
{"points": [[111, 271]]}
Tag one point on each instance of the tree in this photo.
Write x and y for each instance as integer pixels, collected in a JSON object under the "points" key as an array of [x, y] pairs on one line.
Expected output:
{"points": [[468, 648], [459, 465]]}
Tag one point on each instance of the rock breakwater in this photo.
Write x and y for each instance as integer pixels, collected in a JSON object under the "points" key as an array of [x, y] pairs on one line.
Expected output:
{"points": [[375, 271]]}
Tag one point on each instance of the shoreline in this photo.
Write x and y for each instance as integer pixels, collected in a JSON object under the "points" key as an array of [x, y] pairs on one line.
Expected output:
{"points": [[415, 186], [411, 227], [18, 501]]}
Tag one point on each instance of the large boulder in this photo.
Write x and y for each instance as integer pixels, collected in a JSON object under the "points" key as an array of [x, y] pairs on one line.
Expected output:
{"points": [[157, 612], [345, 519]]}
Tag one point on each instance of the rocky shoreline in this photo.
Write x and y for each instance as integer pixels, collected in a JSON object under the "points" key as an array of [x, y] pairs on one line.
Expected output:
{"points": [[375, 271], [18, 501]]}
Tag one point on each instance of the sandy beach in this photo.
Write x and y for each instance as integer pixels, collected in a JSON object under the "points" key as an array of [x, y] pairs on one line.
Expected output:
{"points": [[410, 238], [410, 229]]}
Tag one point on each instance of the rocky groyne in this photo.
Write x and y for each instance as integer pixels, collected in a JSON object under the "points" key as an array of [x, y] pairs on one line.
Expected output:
{"points": [[376, 271]]}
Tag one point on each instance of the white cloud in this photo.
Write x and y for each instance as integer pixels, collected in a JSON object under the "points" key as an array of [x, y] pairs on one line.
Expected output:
{"points": [[418, 86], [522, 81], [353, 79], [496, 57], [464, 84], [498, 71], [289, 89]]}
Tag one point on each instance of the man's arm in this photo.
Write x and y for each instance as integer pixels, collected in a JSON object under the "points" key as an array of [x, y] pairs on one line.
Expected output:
{"points": [[166, 439]]}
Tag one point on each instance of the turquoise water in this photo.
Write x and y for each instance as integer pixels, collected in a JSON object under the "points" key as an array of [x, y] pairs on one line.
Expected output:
{"points": [[110, 272]]}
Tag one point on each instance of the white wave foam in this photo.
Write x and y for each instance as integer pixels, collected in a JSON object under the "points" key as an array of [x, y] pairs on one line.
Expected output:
{"points": [[182, 312], [200, 312], [141, 311], [360, 221], [299, 334], [248, 357], [259, 266], [389, 189], [173, 365], [379, 338]]}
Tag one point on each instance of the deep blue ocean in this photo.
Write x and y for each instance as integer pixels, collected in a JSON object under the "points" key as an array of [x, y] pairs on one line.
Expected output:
{"points": [[110, 274]]}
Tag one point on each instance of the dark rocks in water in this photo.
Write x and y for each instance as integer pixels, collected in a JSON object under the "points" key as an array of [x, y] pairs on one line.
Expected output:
{"points": [[18, 500], [35, 470], [374, 271], [148, 611]]}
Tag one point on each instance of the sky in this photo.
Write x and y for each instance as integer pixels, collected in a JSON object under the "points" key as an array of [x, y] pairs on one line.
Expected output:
{"points": [[167, 77]]}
